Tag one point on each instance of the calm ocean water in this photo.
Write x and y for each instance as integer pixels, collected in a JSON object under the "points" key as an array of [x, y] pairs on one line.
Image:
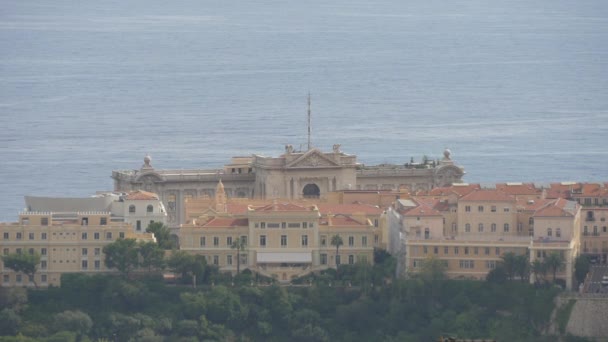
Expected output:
{"points": [[516, 88]]}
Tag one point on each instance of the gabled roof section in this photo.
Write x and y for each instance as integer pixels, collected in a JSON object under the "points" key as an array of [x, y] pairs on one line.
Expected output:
{"points": [[490, 195], [224, 222], [340, 220], [558, 208], [437, 204], [518, 188], [140, 195], [422, 210], [312, 158], [281, 207], [367, 209]]}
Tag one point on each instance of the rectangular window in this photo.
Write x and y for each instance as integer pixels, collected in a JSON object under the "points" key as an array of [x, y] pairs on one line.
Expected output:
{"points": [[493, 209], [506, 228], [97, 264], [476, 250], [18, 278], [364, 241], [283, 240], [274, 225], [6, 279], [497, 251], [480, 208], [85, 264], [304, 240], [376, 239], [44, 221], [283, 225], [304, 224], [263, 225], [467, 208], [506, 210], [229, 241], [202, 241], [6, 236], [351, 259], [311, 225], [43, 278], [293, 225], [97, 251], [121, 235], [108, 235], [244, 239], [19, 236], [323, 240], [43, 236], [455, 250], [104, 221], [323, 259], [216, 260], [490, 264], [425, 250], [43, 264], [262, 240], [85, 251], [138, 225], [436, 250], [337, 260], [216, 241], [446, 250], [351, 241], [466, 250], [85, 235], [5, 251], [228, 259], [520, 227]]}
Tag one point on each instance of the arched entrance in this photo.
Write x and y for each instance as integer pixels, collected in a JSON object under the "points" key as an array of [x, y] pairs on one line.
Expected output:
{"points": [[311, 191]]}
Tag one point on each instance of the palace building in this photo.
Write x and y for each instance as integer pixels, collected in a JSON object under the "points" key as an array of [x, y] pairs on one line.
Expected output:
{"points": [[283, 239], [293, 175]]}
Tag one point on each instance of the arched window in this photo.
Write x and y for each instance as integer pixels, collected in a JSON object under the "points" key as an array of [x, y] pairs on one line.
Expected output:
{"points": [[467, 228], [549, 232], [150, 208], [480, 228], [132, 209], [311, 191]]}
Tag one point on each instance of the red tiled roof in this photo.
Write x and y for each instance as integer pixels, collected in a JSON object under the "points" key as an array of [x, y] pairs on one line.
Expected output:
{"points": [[518, 189], [422, 210], [534, 205], [222, 222], [488, 195], [141, 195], [367, 209], [435, 203], [460, 190], [341, 221], [557, 208], [283, 207]]}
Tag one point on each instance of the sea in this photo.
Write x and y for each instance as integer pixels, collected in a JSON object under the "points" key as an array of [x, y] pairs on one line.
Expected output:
{"points": [[516, 89]]}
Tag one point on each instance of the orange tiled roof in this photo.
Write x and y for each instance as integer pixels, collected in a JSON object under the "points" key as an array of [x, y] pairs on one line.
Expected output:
{"points": [[557, 208], [223, 222], [283, 207], [341, 221], [518, 189], [435, 203], [591, 190], [367, 209], [460, 190], [525, 204], [141, 195], [422, 210], [488, 195]]}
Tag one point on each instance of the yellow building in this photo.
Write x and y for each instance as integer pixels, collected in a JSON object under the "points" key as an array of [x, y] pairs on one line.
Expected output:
{"points": [[68, 242], [284, 239], [470, 228]]}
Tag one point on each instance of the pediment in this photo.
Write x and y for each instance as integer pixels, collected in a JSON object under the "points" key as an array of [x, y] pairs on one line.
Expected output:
{"points": [[312, 158]]}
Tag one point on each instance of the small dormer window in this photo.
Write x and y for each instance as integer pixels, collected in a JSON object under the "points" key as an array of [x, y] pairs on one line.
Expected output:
{"points": [[132, 209], [150, 208]]}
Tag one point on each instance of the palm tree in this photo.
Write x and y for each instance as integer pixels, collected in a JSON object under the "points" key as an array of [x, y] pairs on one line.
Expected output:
{"points": [[555, 262], [240, 245], [510, 263], [337, 241]]}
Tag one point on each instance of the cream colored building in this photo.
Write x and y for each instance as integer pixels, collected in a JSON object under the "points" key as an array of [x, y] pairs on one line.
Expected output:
{"points": [[470, 228], [68, 242], [285, 239], [293, 175]]}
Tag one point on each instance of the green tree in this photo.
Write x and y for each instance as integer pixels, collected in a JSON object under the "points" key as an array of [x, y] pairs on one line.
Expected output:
{"points": [[152, 255], [240, 245], [522, 267], [122, 255], [509, 261], [74, 321], [337, 241], [187, 265], [581, 268], [162, 235], [555, 261], [24, 263], [432, 270], [539, 269], [9, 322]]}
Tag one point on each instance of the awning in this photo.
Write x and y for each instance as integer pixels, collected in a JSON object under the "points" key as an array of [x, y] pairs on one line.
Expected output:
{"points": [[270, 257]]}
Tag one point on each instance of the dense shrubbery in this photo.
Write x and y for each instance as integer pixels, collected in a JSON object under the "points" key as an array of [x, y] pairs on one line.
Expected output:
{"points": [[108, 308]]}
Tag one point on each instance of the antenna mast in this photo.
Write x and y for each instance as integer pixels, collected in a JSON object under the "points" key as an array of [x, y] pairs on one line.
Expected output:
{"points": [[308, 120]]}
